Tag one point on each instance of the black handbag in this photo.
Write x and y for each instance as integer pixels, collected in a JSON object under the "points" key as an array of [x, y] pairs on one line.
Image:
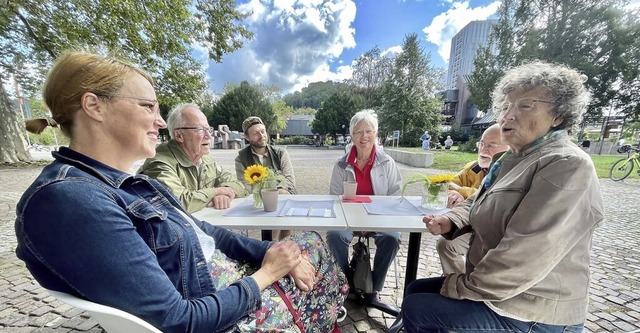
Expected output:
{"points": [[361, 267]]}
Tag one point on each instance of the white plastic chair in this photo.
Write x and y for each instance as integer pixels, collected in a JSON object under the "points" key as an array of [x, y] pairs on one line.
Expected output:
{"points": [[110, 319]]}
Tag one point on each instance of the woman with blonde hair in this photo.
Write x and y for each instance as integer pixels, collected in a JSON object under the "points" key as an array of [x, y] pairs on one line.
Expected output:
{"points": [[89, 228]]}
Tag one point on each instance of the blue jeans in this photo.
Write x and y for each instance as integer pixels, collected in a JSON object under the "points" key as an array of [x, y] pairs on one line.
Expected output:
{"points": [[425, 310], [387, 246]]}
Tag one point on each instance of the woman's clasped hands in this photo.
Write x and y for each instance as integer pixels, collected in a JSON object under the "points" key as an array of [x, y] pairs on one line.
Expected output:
{"points": [[285, 258], [437, 224]]}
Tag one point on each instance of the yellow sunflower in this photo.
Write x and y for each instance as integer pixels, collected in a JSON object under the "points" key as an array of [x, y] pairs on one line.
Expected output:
{"points": [[255, 173], [426, 180], [438, 179]]}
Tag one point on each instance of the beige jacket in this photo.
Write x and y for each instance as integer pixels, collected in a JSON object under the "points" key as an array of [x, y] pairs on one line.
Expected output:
{"points": [[532, 231]]}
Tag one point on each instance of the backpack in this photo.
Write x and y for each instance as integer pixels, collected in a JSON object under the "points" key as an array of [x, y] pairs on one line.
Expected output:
{"points": [[361, 267]]}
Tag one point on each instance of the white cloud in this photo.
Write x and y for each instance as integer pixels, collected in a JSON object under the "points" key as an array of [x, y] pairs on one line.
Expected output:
{"points": [[294, 43], [634, 4], [444, 26], [392, 51]]}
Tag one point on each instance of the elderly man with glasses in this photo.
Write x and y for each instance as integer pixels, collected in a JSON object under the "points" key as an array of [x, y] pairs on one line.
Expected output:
{"points": [[466, 183], [185, 166]]}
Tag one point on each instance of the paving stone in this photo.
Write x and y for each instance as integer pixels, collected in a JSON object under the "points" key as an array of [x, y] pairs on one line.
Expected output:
{"points": [[49, 330], [591, 326], [358, 315], [39, 311], [73, 312], [87, 324], [606, 326], [349, 329], [62, 308], [22, 329], [625, 327], [363, 326], [14, 320], [616, 300], [43, 320], [634, 314], [73, 323], [56, 322]]}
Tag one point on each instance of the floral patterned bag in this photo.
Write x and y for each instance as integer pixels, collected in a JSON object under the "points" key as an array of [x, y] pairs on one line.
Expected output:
{"points": [[285, 308]]}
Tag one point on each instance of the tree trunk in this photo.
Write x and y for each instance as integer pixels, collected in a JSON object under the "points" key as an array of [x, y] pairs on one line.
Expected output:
{"points": [[12, 134]]}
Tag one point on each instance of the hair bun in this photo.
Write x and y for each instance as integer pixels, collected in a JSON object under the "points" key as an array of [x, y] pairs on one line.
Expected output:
{"points": [[583, 78], [37, 125]]}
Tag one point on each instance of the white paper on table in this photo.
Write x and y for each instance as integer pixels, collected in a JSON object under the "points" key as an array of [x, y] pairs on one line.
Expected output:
{"points": [[401, 206], [246, 209], [417, 202], [320, 208]]}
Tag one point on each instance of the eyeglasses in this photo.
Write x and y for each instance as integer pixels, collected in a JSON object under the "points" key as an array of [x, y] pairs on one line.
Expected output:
{"points": [[200, 129], [482, 145], [522, 105], [151, 107], [362, 133]]}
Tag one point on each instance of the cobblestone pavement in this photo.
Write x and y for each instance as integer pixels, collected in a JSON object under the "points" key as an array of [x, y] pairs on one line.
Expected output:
{"points": [[614, 305]]}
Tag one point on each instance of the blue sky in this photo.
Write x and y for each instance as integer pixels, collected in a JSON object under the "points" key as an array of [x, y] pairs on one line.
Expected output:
{"points": [[301, 41]]}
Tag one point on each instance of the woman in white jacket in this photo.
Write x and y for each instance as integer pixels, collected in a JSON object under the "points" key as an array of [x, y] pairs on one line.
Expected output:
{"points": [[376, 174]]}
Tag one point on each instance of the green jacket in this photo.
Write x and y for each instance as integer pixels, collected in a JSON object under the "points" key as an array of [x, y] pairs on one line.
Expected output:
{"points": [[194, 189], [276, 158]]}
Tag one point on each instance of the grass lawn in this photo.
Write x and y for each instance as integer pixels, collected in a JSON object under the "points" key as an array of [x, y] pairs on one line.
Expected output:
{"points": [[454, 160]]}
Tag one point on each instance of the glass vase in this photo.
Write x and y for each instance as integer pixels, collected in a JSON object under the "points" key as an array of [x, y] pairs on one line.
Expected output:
{"points": [[257, 199], [257, 192], [434, 196]]}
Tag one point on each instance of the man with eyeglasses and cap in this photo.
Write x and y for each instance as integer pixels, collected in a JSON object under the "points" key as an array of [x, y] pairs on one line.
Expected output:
{"points": [[259, 151], [466, 183], [185, 166]]}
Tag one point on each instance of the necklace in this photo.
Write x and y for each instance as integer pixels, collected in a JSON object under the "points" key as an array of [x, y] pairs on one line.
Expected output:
{"points": [[363, 159]]}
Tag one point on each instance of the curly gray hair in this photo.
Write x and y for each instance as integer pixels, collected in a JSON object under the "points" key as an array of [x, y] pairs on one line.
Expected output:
{"points": [[564, 86]]}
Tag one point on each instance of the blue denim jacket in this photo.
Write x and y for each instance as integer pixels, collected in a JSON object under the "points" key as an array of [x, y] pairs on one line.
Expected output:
{"points": [[117, 239]]}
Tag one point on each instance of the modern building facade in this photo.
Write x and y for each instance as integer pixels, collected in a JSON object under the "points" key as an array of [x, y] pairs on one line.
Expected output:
{"points": [[464, 46]]}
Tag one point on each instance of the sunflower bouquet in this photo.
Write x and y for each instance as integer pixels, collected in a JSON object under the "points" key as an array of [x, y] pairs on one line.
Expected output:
{"points": [[435, 189], [260, 178]]}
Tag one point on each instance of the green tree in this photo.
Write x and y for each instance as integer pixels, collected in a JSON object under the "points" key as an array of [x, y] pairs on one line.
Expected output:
{"points": [[484, 77], [336, 112], [411, 103], [628, 99], [282, 112], [507, 38], [157, 35], [238, 104], [589, 35], [273, 94], [305, 111], [598, 38], [370, 71], [314, 94]]}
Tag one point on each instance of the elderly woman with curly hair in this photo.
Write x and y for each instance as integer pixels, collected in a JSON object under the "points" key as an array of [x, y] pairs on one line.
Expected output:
{"points": [[532, 222]]}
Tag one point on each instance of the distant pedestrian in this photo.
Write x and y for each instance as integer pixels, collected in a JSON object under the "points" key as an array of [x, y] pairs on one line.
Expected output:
{"points": [[586, 144], [448, 142], [426, 140]]}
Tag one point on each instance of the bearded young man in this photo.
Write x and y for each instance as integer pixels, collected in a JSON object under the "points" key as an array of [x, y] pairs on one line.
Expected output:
{"points": [[259, 151]]}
